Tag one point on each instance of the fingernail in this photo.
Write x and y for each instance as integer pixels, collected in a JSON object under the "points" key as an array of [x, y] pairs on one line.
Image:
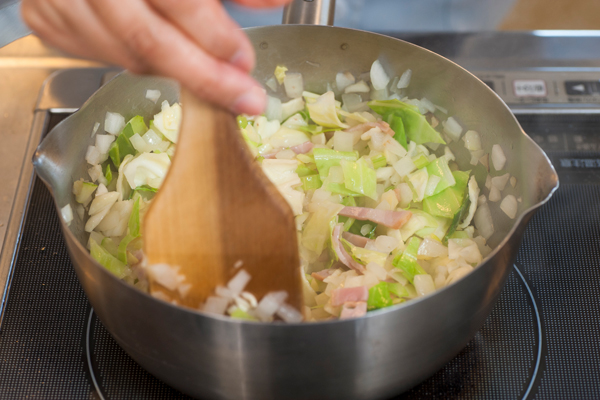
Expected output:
{"points": [[243, 60], [251, 102]]}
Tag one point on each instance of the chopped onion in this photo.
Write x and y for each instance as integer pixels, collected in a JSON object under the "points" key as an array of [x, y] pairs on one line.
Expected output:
{"points": [[424, 284], [432, 248], [215, 305], [495, 194], [481, 200], [101, 190], [483, 221], [272, 83], [153, 95], [509, 206], [274, 109], [500, 181], [488, 182], [343, 80], [164, 274], [472, 141], [343, 141], [386, 244], [448, 154], [95, 129], [93, 156], [239, 282], [404, 166], [67, 214], [289, 314], [377, 270], [513, 181], [294, 85], [381, 94], [404, 79], [458, 274], [114, 123], [224, 292], [250, 298], [103, 143], [291, 107], [452, 128], [498, 157], [428, 105], [379, 79], [95, 172], [269, 305], [358, 87]]}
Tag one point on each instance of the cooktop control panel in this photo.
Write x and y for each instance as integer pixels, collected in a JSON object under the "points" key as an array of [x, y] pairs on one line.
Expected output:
{"points": [[572, 88]]}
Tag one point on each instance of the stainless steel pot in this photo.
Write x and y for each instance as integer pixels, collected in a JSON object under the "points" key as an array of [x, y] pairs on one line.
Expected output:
{"points": [[382, 354]]}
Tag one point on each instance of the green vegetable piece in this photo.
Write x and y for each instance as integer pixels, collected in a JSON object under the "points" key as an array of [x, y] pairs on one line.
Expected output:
{"points": [[459, 235], [119, 149], [407, 261], [242, 121], [459, 216], [326, 158], [356, 228], [416, 127], [348, 201], [135, 125], [240, 314], [311, 182], [360, 178], [379, 162], [134, 231], [305, 169], [439, 167], [449, 201], [340, 188], [379, 297], [107, 260], [387, 107], [108, 174], [397, 289], [420, 161], [397, 126], [110, 246]]}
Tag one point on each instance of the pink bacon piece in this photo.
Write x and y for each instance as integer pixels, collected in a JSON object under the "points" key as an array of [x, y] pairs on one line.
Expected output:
{"points": [[354, 294], [341, 252], [321, 275], [389, 218], [303, 148], [362, 128], [357, 240], [352, 309]]}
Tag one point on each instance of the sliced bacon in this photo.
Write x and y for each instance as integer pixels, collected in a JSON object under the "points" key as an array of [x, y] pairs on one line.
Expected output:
{"points": [[357, 240], [341, 252], [303, 148], [343, 295], [353, 309], [270, 155], [321, 275], [362, 128], [389, 218]]}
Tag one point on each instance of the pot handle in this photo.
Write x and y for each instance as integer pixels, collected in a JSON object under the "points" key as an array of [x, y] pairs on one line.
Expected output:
{"points": [[309, 12]]}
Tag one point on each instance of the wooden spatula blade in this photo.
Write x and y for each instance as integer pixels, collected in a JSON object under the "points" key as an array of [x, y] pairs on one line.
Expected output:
{"points": [[216, 208]]}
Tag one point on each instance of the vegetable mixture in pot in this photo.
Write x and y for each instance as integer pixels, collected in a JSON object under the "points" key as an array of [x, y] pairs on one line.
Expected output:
{"points": [[383, 212]]}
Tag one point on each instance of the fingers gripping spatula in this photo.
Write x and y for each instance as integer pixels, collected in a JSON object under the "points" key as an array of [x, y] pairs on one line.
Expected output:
{"points": [[217, 208]]}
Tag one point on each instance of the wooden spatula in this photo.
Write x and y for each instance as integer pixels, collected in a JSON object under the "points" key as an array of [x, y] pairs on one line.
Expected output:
{"points": [[216, 208]]}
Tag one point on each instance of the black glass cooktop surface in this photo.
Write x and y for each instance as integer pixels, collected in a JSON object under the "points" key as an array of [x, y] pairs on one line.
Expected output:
{"points": [[541, 341]]}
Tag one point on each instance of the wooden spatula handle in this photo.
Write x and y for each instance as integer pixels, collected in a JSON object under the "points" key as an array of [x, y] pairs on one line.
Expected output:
{"points": [[215, 208]]}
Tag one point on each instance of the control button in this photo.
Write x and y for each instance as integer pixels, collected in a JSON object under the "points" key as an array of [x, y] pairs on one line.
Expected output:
{"points": [[581, 88], [529, 87]]}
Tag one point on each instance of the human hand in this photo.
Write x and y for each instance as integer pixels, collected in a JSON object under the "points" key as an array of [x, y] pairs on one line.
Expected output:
{"points": [[193, 41]]}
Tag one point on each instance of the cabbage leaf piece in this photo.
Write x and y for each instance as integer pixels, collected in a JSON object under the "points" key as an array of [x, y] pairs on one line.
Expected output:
{"points": [[327, 158], [449, 201], [360, 178], [107, 260], [324, 112], [407, 261]]}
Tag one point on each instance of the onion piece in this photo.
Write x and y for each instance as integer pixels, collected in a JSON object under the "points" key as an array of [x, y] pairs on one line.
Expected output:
{"points": [[472, 141], [358, 87], [452, 128], [237, 284], [114, 123], [509, 206], [498, 157], [293, 84], [153, 95], [483, 221], [269, 305], [428, 105], [95, 129], [93, 156], [215, 305], [271, 83], [289, 314], [67, 214], [273, 110], [513, 181], [494, 194], [379, 78], [404, 80], [500, 181], [343, 80], [424, 284]]}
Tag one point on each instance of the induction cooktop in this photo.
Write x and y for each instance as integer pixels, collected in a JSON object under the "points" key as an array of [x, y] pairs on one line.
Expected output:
{"points": [[541, 341]]}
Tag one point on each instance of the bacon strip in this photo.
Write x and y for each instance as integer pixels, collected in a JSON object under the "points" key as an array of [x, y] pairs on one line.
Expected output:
{"points": [[362, 128], [321, 275], [353, 309], [303, 148], [341, 252], [389, 218], [344, 295], [357, 240]]}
